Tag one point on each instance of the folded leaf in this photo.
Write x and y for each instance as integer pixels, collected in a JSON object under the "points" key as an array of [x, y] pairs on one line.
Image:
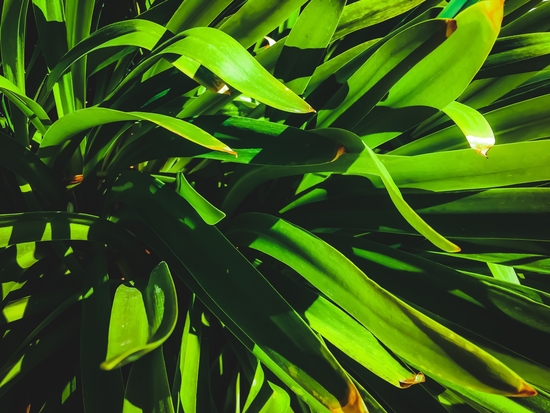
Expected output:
{"points": [[140, 324]]}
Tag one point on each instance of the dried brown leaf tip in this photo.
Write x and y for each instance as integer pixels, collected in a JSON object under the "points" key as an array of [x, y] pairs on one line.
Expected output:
{"points": [[341, 151], [416, 379], [451, 27], [525, 391], [353, 403]]}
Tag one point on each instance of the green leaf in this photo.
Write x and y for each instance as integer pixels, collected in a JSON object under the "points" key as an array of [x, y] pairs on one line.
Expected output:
{"points": [[13, 32], [206, 210], [475, 127], [192, 13], [521, 121], [12, 46], [536, 19], [425, 343], [331, 66], [194, 389], [65, 128], [29, 167], [345, 333], [50, 22], [79, 23], [148, 389], [227, 59], [236, 293], [517, 54], [134, 32], [503, 272], [363, 166], [32, 110], [103, 391], [256, 142], [306, 43], [140, 324], [434, 83], [390, 63], [257, 18], [365, 13], [510, 164]]}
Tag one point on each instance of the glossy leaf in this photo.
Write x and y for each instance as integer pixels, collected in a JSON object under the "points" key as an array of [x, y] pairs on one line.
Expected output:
{"points": [[381, 71], [365, 13], [503, 272], [141, 323], [432, 84], [29, 107], [473, 124], [345, 333], [415, 337], [225, 285], [135, 32], [206, 210], [257, 18], [367, 161], [227, 59], [517, 54], [522, 121], [307, 38], [65, 128], [256, 142]]}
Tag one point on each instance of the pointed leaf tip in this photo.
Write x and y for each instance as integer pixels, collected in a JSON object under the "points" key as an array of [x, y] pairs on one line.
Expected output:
{"points": [[451, 27], [525, 391]]}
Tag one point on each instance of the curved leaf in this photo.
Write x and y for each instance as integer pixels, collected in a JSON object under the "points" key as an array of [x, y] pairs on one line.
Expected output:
{"points": [[140, 324], [473, 124], [68, 126], [435, 82], [345, 333], [365, 13], [36, 114], [257, 18], [425, 343], [229, 61], [133, 32], [368, 163], [235, 292], [391, 62]]}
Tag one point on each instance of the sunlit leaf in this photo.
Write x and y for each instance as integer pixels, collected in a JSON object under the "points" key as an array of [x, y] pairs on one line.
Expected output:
{"points": [[473, 124], [141, 322]]}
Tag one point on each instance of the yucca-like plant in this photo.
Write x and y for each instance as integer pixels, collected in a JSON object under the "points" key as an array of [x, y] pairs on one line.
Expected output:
{"points": [[274, 206]]}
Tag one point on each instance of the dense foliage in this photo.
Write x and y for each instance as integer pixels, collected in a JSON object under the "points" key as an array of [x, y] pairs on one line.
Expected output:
{"points": [[275, 206]]}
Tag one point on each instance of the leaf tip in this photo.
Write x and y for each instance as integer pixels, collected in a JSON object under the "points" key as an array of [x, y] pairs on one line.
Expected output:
{"points": [[416, 379], [451, 27], [526, 390]]}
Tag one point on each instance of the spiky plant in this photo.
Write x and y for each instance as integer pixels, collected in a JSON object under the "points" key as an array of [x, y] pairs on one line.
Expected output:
{"points": [[274, 206]]}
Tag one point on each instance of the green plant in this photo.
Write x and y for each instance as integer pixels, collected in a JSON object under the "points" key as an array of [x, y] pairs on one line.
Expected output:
{"points": [[181, 230]]}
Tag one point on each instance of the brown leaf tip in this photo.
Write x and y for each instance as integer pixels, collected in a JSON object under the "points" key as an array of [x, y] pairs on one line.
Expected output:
{"points": [[525, 391], [416, 379], [451, 27]]}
